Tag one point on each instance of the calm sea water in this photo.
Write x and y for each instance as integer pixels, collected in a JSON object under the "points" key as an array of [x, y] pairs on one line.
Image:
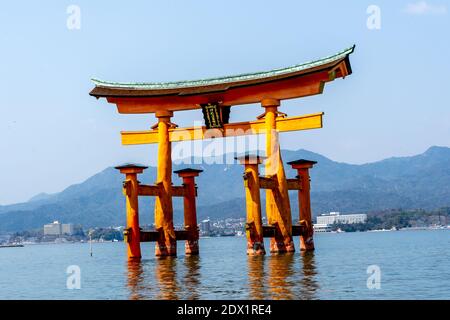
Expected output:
{"points": [[413, 264]]}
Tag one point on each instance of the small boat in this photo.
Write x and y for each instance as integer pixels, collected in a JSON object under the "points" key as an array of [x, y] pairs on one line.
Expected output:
{"points": [[227, 234], [11, 245]]}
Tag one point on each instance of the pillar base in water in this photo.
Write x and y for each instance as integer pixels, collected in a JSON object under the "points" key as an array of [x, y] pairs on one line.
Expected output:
{"points": [[191, 247], [134, 258], [162, 249], [306, 244], [277, 246], [255, 248]]}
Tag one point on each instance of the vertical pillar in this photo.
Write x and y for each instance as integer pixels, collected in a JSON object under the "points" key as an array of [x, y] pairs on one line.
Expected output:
{"points": [[166, 244], [190, 211], [306, 238], [131, 192], [278, 208], [254, 227]]}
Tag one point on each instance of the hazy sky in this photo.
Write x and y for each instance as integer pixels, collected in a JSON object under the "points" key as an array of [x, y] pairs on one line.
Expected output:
{"points": [[53, 134]]}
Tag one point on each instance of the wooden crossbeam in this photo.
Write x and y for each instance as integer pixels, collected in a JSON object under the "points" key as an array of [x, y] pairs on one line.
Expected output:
{"points": [[152, 236], [154, 190], [145, 190], [178, 191], [149, 236], [271, 231], [305, 122], [297, 230], [268, 183], [294, 184]]}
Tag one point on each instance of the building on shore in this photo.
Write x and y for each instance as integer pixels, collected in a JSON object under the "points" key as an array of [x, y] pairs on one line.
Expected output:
{"points": [[205, 227], [337, 218], [67, 228], [58, 229], [321, 227]]}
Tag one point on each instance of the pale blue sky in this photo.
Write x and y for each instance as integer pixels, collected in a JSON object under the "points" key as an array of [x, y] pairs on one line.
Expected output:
{"points": [[54, 134]]}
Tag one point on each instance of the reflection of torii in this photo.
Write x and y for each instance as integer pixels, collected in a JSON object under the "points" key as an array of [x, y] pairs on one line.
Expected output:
{"points": [[266, 88]]}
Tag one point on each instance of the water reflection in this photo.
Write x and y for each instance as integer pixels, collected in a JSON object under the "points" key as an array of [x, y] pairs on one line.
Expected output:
{"points": [[164, 278], [309, 282], [256, 278], [279, 276], [135, 279], [286, 277]]}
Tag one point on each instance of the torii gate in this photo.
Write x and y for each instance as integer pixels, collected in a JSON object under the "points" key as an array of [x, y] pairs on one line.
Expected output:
{"points": [[216, 97]]}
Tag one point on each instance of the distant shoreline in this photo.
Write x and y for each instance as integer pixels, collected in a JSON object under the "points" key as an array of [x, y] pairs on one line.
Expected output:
{"points": [[447, 228]]}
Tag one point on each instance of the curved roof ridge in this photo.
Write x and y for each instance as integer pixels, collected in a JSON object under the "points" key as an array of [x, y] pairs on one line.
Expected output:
{"points": [[224, 79]]}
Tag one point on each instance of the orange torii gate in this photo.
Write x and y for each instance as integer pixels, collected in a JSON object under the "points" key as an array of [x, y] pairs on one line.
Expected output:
{"points": [[215, 97]]}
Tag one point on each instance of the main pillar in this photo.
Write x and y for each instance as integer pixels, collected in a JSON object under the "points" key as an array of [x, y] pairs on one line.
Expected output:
{"points": [[306, 238], [190, 210], [278, 208], [130, 190], [166, 244], [254, 227]]}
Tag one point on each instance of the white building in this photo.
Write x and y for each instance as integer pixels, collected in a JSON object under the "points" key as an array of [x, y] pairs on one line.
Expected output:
{"points": [[56, 229], [53, 229], [321, 227], [336, 217], [67, 228]]}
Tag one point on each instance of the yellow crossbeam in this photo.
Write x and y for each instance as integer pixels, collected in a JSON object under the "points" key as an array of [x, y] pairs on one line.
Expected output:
{"points": [[305, 122]]}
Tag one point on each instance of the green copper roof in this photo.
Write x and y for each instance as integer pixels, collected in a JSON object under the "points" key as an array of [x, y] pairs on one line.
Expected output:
{"points": [[221, 80]]}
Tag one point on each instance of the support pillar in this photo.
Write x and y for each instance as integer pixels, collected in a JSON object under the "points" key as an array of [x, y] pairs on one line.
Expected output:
{"points": [[190, 209], [278, 208], [306, 238], [254, 227], [130, 189], [166, 244]]}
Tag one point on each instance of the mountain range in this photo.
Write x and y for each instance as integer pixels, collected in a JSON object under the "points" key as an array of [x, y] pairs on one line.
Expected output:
{"points": [[421, 181]]}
